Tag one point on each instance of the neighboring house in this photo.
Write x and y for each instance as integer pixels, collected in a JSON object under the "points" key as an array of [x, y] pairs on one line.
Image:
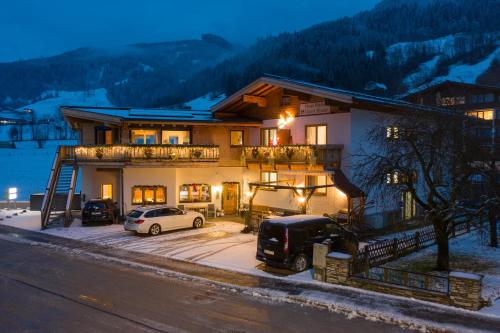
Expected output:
{"points": [[474, 100], [276, 145]]}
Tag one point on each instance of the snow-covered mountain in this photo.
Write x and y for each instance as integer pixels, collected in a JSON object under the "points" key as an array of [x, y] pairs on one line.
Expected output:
{"points": [[133, 75]]}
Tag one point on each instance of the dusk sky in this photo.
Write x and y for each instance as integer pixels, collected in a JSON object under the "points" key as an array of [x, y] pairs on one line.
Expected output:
{"points": [[34, 28]]}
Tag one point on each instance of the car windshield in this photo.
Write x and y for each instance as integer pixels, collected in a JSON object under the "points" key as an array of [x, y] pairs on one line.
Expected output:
{"points": [[95, 205], [135, 214]]}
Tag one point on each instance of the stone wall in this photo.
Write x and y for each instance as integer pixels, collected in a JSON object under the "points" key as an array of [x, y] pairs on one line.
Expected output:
{"points": [[464, 288]]}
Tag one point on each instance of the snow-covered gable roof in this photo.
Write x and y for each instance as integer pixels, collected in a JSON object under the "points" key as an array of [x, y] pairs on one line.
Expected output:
{"points": [[435, 85], [340, 95]]}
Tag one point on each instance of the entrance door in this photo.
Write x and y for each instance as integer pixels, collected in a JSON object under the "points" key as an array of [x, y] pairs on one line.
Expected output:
{"points": [[230, 198], [409, 206]]}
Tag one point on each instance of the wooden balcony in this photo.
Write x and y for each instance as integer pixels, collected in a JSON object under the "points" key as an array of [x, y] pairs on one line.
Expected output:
{"points": [[141, 154], [294, 156]]}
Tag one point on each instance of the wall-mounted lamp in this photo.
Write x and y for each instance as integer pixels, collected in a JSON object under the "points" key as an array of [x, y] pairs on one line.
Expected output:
{"points": [[285, 119], [217, 190]]}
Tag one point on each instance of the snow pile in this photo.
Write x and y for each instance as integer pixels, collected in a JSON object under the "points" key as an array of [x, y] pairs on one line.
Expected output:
{"points": [[49, 107], [205, 102]]}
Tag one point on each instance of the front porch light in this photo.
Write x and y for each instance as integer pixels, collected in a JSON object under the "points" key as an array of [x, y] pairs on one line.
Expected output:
{"points": [[217, 190]]}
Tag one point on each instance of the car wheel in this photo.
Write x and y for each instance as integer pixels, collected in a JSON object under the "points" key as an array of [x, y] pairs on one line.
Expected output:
{"points": [[301, 263], [155, 230], [198, 222]]}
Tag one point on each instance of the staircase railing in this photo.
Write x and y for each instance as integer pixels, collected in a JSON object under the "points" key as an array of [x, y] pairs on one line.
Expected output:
{"points": [[50, 189], [69, 199]]}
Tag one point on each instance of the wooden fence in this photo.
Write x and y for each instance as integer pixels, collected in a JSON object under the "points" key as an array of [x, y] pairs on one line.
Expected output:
{"points": [[388, 250]]}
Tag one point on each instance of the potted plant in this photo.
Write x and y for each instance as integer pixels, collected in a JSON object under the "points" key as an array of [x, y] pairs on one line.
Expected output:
{"points": [[148, 152], [255, 152], [196, 153], [289, 152], [99, 153]]}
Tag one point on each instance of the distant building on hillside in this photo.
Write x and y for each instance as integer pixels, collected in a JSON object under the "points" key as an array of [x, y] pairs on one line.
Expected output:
{"points": [[475, 100]]}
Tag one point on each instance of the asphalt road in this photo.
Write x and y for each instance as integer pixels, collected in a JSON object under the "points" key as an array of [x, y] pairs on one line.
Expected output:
{"points": [[44, 290]]}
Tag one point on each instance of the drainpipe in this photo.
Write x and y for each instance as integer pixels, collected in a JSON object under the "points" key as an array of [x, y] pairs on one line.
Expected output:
{"points": [[121, 193]]}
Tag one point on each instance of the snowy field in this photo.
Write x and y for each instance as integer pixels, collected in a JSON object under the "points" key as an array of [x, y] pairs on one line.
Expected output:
{"points": [[49, 106], [27, 167]]}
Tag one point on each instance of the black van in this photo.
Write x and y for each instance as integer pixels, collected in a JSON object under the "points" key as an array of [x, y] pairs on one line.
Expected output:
{"points": [[289, 241]]}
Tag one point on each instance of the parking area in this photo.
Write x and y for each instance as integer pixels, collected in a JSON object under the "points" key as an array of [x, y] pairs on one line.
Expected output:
{"points": [[218, 244]]}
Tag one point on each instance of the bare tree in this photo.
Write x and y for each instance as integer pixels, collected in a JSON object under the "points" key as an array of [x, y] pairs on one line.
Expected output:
{"points": [[423, 154]]}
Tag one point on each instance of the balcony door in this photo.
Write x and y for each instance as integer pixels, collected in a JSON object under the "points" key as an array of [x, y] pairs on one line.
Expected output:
{"points": [[274, 137]]}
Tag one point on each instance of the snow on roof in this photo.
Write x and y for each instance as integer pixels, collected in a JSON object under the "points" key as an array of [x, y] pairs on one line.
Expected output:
{"points": [[157, 114], [148, 114], [205, 102], [339, 255], [361, 97], [468, 276], [296, 218]]}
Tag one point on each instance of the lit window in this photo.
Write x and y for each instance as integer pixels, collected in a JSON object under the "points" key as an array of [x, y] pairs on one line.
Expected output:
{"points": [[107, 191], [236, 138], [482, 114], [169, 137], [317, 181], [149, 195], [316, 135], [269, 137], [392, 177], [268, 177], [392, 133], [143, 137], [195, 193]]}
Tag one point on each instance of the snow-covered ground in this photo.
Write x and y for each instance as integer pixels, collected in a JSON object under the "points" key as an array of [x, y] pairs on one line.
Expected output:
{"points": [[27, 167], [49, 107], [425, 71], [399, 52], [468, 73], [219, 244], [469, 253]]}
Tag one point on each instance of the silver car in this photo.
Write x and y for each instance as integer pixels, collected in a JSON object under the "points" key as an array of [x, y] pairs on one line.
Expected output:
{"points": [[154, 220]]}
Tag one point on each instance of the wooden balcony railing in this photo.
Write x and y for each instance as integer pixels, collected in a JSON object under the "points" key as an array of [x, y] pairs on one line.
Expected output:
{"points": [[328, 155], [128, 153]]}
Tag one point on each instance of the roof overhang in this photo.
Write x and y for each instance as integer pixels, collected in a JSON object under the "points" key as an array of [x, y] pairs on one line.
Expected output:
{"points": [[265, 85]]}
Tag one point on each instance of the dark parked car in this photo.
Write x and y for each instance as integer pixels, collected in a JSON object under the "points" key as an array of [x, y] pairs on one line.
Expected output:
{"points": [[289, 241], [100, 210]]}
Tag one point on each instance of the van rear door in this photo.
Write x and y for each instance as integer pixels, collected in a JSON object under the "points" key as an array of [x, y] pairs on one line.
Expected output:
{"points": [[271, 240]]}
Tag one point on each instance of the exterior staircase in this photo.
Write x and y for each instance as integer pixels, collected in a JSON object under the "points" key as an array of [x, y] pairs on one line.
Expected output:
{"points": [[62, 181]]}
